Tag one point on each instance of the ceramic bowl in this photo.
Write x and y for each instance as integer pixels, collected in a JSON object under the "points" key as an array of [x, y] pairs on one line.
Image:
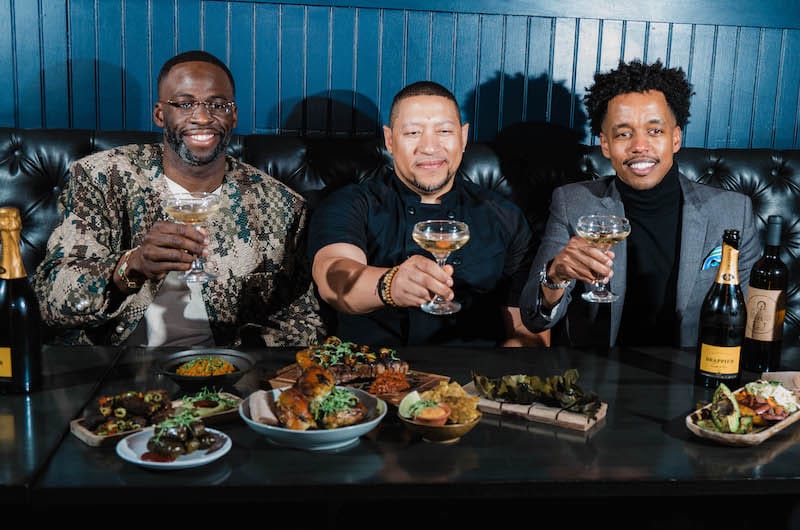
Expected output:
{"points": [[447, 433], [243, 362], [319, 439]]}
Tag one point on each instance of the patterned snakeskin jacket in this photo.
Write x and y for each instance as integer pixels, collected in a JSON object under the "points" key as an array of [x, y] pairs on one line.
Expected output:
{"points": [[111, 200]]}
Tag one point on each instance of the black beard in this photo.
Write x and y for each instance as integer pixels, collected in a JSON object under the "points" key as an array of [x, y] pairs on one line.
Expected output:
{"points": [[431, 189], [175, 141]]}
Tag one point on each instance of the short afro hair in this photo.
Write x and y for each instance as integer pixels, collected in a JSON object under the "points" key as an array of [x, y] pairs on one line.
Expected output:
{"points": [[636, 76], [190, 56], [421, 88]]}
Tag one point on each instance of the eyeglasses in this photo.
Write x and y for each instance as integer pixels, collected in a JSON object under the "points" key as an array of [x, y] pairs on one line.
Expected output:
{"points": [[214, 108]]}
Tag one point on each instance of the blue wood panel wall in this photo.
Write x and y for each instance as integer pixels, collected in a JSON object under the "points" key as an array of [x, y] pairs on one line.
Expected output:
{"points": [[332, 67]]}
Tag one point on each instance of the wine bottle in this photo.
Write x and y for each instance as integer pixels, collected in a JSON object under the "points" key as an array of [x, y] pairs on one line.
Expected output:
{"points": [[766, 305], [723, 317], [20, 320]]}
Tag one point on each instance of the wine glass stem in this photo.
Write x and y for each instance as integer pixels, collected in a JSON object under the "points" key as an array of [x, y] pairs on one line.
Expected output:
{"points": [[439, 299], [197, 264]]}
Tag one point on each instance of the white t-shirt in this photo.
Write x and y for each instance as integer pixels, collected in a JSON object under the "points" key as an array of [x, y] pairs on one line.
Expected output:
{"points": [[177, 316]]}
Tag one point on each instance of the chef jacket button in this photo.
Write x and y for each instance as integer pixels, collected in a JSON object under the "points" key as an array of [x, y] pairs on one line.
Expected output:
{"points": [[82, 304], [411, 210], [456, 261], [119, 329]]}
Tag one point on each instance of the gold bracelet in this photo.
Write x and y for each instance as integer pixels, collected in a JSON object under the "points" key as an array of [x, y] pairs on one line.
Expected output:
{"points": [[385, 286], [123, 269]]}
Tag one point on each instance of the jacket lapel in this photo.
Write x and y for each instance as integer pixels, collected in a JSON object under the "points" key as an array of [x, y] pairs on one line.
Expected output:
{"points": [[693, 237]]}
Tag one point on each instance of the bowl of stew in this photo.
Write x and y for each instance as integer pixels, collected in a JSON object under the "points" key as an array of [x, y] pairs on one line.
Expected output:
{"points": [[209, 367]]}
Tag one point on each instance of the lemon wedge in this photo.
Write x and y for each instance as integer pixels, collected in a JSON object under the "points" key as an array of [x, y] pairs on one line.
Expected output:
{"points": [[404, 408]]}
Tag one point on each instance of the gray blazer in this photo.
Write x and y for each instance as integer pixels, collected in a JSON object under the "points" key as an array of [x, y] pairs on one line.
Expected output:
{"points": [[707, 212]]}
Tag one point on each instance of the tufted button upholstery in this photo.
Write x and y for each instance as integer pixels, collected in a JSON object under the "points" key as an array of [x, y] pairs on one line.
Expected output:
{"points": [[34, 166]]}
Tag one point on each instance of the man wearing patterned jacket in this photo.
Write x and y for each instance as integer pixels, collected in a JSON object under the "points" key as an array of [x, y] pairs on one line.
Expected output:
{"points": [[114, 265]]}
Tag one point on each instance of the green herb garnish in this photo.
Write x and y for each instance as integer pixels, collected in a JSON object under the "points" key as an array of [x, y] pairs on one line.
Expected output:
{"points": [[414, 409], [184, 419], [338, 399], [212, 395]]}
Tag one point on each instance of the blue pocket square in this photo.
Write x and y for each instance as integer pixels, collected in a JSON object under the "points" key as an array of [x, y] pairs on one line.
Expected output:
{"points": [[713, 259]]}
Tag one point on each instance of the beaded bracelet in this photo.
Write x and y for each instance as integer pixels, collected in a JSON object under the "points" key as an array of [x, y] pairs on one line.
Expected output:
{"points": [[385, 286], [123, 269]]}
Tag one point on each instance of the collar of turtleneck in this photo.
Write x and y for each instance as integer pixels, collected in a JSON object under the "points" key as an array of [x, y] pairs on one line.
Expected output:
{"points": [[663, 195]]}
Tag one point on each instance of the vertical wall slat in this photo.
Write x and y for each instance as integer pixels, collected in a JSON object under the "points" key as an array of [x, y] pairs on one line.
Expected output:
{"points": [[241, 62], [54, 46], [81, 62], [28, 56], [368, 68], [268, 69], [110, 84]]}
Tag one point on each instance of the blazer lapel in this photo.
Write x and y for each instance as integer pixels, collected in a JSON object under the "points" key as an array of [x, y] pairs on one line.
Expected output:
{"points": [[693, 237]]}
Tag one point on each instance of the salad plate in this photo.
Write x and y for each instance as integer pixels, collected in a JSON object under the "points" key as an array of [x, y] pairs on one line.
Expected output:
{"points": [[132, 447]]}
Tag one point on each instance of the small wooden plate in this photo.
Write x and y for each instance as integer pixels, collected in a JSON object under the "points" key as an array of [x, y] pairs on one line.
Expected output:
{"points": [[738, 440], [78, 428]]}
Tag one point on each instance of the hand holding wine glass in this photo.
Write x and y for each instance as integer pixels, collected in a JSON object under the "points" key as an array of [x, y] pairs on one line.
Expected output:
{"points": [[440, 238], [193, 209], [602, 231]]}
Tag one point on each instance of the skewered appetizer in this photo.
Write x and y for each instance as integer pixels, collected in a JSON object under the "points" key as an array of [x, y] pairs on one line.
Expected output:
{"points": [[178, 435], [348, 362], [314, 402]]}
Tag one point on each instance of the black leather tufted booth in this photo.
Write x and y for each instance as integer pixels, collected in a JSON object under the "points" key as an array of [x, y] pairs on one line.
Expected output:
{"points": [[34, 167]]}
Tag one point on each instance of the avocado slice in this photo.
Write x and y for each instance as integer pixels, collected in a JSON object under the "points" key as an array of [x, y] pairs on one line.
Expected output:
{"points": [[725, 409]]}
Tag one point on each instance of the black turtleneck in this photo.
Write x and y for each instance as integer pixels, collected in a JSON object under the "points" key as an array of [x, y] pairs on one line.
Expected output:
{"points": [[648, 316]]}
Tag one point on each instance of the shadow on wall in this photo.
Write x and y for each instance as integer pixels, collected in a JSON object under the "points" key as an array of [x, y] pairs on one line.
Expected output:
{"points": [[542, 151], [337, 113]]}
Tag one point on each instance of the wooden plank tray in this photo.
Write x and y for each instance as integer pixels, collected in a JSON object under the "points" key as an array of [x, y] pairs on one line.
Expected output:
{"points": [[539, 413], [419, 381], [78, 428]]}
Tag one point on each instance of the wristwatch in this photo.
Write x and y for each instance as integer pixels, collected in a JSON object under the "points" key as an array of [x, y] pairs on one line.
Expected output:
{"points": [[545, 280]]}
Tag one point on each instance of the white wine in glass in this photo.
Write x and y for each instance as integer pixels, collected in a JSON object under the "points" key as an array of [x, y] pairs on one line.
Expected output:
{"points": [[440, 238], [603, 231], [193, 209]]}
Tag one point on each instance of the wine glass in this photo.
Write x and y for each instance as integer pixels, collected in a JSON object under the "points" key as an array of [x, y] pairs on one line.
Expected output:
{"points": [[602, 231], [193, 209], [440, 238]]}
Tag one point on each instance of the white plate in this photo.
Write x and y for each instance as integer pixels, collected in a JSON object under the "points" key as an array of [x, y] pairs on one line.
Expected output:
{"points": [[319, 439], [132, 447]]}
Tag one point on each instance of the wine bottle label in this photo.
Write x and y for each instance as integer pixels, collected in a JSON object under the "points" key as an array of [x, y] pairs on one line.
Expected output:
{"points": [[765, 313], [7, 428], [722, 360], [5, 362]]}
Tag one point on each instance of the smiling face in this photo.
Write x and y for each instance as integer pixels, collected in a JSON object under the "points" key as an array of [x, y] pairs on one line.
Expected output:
{"points": [[426, 140], [195, 141], [640, 136]]}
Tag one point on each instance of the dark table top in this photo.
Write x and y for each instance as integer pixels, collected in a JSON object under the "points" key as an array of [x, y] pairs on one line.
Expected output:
{"points": [[642, 448]]}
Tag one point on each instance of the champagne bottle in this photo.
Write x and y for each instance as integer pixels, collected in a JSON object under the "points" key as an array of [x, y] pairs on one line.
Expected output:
{"points": [[20, 320], [766, 305], [723, 317]]}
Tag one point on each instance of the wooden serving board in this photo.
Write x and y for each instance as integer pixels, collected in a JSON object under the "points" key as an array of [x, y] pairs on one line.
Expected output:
{"points": [[78, 428], [539, 412], [419, 381], [741, 440]]}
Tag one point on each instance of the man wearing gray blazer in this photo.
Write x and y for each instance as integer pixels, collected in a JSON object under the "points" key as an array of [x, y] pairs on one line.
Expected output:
{"points": [[663, 270]]}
